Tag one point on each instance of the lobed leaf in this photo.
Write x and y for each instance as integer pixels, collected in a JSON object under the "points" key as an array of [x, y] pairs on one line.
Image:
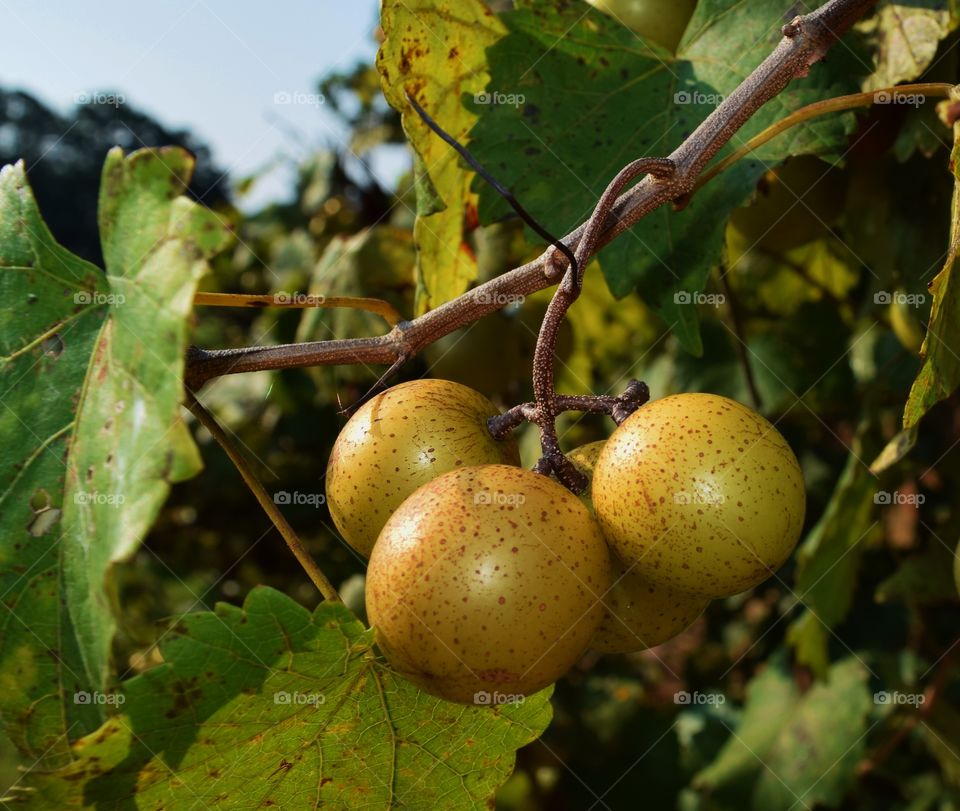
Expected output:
{"points": [[434, 50], [91, 387], [271, 706], [595, 96]]}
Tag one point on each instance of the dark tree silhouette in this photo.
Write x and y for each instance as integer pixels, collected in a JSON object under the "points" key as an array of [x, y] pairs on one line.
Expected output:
{"points": [[64, 156]]}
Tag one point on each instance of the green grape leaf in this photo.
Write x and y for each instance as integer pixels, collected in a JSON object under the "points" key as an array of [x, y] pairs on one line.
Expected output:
{"points": [[771, 697], [802, 749], [271, 706], [814, 758], [434, 50], [940, 373], [828, 562], [591, 95], [904, 38], [91, 370]]}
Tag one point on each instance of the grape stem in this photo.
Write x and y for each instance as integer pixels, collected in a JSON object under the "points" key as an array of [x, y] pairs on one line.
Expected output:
{"points": [[546, 404], [208, 421], [553, 459], [669, 180]]}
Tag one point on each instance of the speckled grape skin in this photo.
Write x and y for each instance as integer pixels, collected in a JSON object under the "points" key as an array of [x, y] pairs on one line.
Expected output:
{"points": [[637, 614], [400, 440], [640, 614], [468, 596], [701, 493]]}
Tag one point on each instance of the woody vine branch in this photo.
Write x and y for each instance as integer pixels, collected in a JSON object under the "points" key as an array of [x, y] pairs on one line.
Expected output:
{"points": [[805, 41]]}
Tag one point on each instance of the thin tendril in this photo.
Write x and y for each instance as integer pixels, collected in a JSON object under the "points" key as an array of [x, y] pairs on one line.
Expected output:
{"points": [[502, 190]]}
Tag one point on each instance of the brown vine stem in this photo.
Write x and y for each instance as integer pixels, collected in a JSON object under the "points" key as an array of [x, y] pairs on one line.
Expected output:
{"points": [[546, 407], [208, 421], [806, 40]]}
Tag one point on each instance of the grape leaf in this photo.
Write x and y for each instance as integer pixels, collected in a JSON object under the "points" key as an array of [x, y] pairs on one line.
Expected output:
{"points": [[771, 696], [803, 749], [91, 373], [939, 375], [595, 96], [904, 37], [828, 562], [272, 706], [434, 50], [813, 761]]}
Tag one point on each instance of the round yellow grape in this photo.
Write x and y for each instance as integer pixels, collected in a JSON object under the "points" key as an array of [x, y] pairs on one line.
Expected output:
{"points": [[638, 614], [400, 440], [486, 582], [700, 494]]}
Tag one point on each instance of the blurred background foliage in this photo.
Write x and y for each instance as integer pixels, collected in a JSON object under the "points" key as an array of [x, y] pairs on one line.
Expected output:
{"points": [[803, 319]]}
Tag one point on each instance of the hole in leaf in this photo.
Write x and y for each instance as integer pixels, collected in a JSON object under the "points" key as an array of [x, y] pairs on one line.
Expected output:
{"points": [[53, 346]]}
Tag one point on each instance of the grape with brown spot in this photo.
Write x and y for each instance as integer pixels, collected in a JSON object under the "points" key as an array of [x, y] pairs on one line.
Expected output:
{"points": [[699, 493], [487, 580], [400, 440], [638, 613]]}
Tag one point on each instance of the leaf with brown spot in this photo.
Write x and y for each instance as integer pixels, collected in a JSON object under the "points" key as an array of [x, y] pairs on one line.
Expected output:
{"points": [[319, 726], [435, 50], [91, 374]]}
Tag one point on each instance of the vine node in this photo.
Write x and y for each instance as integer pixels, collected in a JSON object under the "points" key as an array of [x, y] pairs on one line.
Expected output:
{"points": [[553, 460]]}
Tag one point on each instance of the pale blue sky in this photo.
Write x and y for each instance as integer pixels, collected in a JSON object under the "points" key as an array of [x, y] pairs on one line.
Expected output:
{"points": [[210, 65]]}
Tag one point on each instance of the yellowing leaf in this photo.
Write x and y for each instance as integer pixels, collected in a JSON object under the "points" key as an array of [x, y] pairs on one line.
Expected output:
{"points": [[435, 52], [92, 366], [907, 37], [940, 373]]}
